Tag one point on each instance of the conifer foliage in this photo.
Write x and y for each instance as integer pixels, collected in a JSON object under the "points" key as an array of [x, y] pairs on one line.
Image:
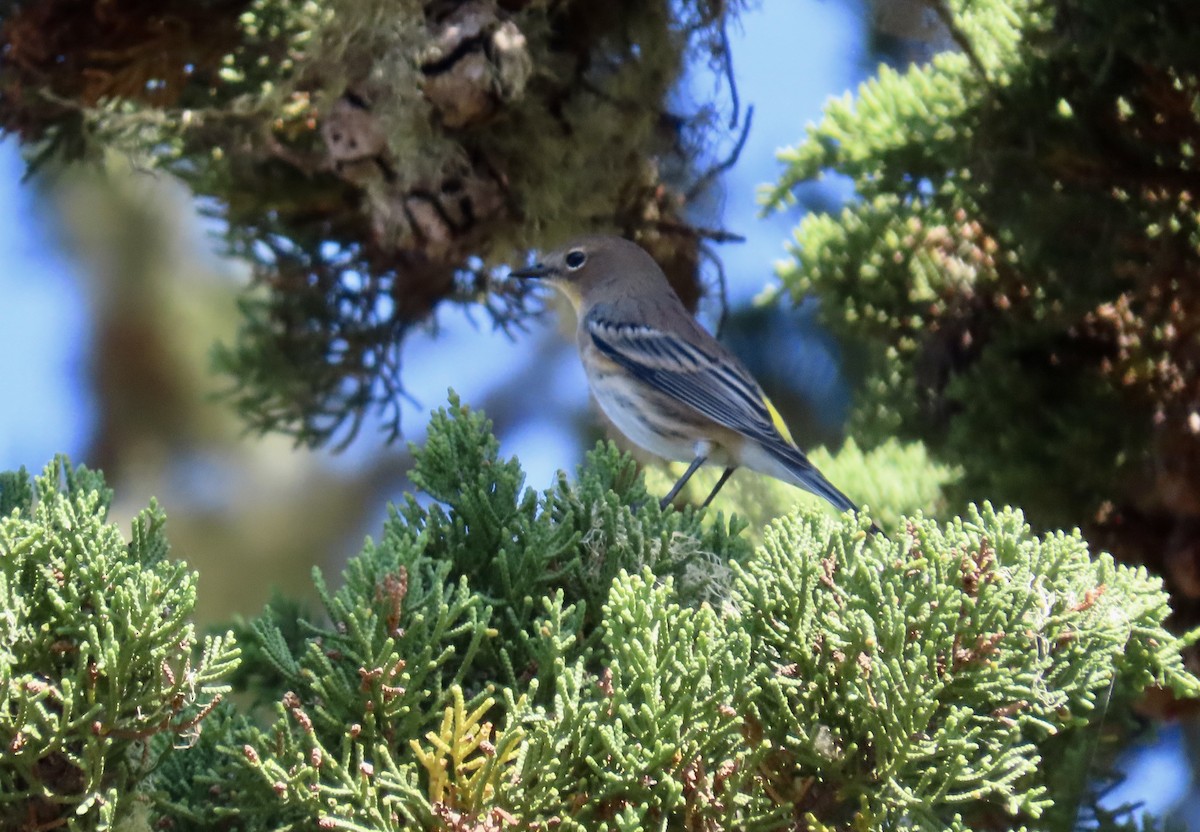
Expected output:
{"points": [[100, 668], [574, 659], [1024, 255]]}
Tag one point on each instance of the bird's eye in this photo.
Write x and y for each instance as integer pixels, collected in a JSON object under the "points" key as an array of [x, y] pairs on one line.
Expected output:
{"points": [[575, 259]]}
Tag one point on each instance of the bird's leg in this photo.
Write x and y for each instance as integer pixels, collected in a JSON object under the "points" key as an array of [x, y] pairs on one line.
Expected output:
{"points": [[728, 473], [687, 475]]}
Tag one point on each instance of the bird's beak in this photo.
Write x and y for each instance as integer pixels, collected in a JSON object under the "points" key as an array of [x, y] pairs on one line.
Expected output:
{"points": [[536, 270]]}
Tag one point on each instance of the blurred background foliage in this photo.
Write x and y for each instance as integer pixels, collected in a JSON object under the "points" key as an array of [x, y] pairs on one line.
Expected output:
{"points": [[1014, 289]]}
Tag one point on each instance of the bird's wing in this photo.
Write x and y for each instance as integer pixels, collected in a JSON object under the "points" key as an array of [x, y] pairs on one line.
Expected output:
{"points": [[713, 383], [699, 375]]}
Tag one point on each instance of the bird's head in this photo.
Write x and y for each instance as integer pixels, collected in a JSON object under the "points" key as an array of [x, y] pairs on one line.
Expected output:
{"points": [[597, 267]]}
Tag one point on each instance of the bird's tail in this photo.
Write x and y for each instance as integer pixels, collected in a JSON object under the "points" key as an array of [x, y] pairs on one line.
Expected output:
{"points": [[804, 474]]}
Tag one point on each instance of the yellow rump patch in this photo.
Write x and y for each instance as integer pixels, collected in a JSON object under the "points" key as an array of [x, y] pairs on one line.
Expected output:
{"points": [[778, 422]]}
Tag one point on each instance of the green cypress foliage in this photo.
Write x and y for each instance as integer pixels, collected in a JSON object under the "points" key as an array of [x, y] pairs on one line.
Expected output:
{"points": [[924, 681], [1022, 254], [100, 669], [578, 659]]}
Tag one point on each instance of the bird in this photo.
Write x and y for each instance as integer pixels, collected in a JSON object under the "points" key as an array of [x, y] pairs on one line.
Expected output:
{"points": [[662, 379]]}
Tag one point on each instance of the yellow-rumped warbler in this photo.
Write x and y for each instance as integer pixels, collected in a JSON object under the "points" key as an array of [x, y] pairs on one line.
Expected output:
{"points": [[662, 379]]}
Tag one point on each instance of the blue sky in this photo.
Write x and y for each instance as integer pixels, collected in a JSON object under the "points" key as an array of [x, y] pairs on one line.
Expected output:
{"points": [[43, 329]]}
